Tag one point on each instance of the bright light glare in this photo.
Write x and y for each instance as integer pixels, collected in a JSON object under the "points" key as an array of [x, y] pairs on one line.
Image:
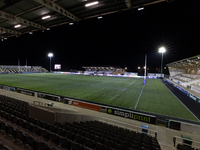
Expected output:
{"points": [[17, 26], [50, 55], [141, 8], [30, 32], [162, 50], [46, 17], [71, 23], [100, 17], [138, 67], [91, 4]]}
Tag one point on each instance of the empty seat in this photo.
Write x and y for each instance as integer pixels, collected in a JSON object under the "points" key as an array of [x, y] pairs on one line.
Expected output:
{"points": [[64, 142], [53, 137], [30, 141], [100, 146], [41, 145], [78, 139], [89, 143], [45, 134], [76, 146], [61, 132], [20, 136]]}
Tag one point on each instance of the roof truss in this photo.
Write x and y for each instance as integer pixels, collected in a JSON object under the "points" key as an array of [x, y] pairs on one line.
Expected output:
{"points": [[4, 30], [19, 20], [50, 4]]}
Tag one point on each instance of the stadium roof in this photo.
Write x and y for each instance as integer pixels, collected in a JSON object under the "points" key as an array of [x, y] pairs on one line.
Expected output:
{"points": [[188, 63], [24, 16]]}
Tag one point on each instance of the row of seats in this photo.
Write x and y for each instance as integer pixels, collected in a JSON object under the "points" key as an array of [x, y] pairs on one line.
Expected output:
{"points": [[110, 136], [44, 131], [37, 127], [13, 102], [24, 138], [185, 147], [4, 147], [22, 69], [77, 136]]}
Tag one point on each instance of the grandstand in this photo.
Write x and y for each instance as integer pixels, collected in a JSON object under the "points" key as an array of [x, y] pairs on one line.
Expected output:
{"points": [[21, 69], [186, 73], [104, 70]]}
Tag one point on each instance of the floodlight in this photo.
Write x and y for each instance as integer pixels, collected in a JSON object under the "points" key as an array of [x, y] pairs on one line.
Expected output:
{"points": [[17, 26], [162, 50], [46, 17], [71, 23], [50, 55], [91, 4], [141, 8], [100, 17]]}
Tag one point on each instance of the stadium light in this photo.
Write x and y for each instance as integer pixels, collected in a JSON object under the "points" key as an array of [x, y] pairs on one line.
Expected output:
{"points": [[100, 17], [141, 8], [46, 17], [162, 50], [91, 4], [17, 26], [50, 55]]}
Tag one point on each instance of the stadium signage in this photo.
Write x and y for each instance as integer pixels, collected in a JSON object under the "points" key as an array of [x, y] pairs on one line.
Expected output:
{"points": [[86, 105], [26, 92], [194, 97], [132, 115], [49, 97]]}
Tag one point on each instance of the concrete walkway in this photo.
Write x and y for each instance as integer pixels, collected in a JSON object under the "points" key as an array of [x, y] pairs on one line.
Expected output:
{"points": [[164, 135]]}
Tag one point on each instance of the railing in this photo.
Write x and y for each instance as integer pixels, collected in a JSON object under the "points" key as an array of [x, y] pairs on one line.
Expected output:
{"points": [[127, 126], [179, 140]]}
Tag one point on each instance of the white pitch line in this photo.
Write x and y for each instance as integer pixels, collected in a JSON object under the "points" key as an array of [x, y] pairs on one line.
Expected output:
{"points": [[139, 96], [123, 89], [132, 83], [180, 101], [113, 97]]}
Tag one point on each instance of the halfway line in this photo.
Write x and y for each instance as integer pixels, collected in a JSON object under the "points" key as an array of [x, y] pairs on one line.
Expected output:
{"points": [[139, 96]]}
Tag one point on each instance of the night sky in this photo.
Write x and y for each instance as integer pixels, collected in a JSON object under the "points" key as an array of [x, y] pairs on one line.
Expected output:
{"points": [[120, 39]]}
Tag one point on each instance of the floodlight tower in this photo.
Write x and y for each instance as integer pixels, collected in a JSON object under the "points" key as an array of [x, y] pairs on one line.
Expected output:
{"points": [[50, 55], [162, 50]]}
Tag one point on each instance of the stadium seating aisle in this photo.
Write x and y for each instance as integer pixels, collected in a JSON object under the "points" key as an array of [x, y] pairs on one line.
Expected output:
{"points": [[84, 135]]}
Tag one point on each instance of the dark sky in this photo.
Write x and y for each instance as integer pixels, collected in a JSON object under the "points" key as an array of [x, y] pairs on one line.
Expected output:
{"points": [[119, 39]]}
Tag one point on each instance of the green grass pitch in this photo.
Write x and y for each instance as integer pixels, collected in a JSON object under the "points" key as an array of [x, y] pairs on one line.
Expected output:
{"points": [[125, 92]]}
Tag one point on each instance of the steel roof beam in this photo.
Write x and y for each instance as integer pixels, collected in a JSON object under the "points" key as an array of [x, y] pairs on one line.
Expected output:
{"points": [[57, 8], [4, 30], [19, 20]]}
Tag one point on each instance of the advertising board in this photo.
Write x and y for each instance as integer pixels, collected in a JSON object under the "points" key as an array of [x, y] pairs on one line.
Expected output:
{"points": [[132, 115], [86, 105]]}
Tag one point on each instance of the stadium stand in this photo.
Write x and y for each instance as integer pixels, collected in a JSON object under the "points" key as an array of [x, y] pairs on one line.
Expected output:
{"points": [[15, 122], [186, 73], [22, 69]]}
